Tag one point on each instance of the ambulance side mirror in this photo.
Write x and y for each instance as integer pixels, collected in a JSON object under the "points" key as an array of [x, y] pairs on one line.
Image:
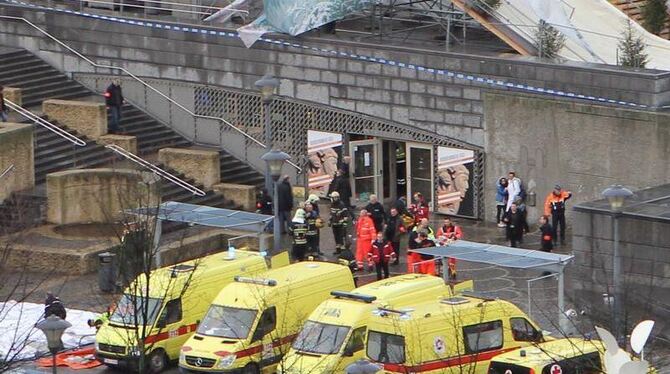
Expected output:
{"points": [[348, 352]]}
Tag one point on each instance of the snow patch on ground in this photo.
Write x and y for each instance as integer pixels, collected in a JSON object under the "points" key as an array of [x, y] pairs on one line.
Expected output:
{"points": [[20, 340]]}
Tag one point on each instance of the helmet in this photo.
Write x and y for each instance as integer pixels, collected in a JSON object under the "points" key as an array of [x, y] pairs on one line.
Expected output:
{"points": [[335, 195], [313, 199], [299, 214]]}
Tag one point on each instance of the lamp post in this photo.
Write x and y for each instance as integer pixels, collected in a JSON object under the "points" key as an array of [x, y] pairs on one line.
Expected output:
{"points": [[53, 328], [275, 161], [363, 367], [616, 195], [267, 85]]}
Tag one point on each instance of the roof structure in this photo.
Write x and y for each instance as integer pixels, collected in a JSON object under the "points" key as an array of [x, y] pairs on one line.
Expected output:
{"points": [[497, 255], [208, 216], [650, 203]]}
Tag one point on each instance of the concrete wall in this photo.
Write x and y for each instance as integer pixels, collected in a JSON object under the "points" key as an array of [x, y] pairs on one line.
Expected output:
{"points": [[645, 251], [17, 149], [96, 195], [447, 105], [585, 148]]}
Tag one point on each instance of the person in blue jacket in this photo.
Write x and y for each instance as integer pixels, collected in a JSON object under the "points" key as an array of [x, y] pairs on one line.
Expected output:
{"points": [[501, 200]]}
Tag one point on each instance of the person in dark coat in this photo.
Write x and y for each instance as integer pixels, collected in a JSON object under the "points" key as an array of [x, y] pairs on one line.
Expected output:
{"points": [[546, 234], [284, 202], [339, 220], [53, 306], [376, 211], [394, 230], [298, 230], [3, 107], [341, 184], [114, 101], [516, 225], [264, 203]]}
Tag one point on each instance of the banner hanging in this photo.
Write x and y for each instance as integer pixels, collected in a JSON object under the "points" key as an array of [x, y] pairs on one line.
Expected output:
{"points": [[454, 171], [324, 152]]}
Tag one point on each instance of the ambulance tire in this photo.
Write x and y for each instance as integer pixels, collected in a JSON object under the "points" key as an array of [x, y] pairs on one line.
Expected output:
{"points": [[251, 368], [157, 361]]}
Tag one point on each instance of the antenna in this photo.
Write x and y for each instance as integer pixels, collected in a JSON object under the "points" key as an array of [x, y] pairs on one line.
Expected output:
{"points": [[639, 336]]}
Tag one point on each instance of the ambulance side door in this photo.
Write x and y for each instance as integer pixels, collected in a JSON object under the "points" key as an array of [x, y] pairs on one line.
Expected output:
{"points": [[354, 350], [266, 334]]}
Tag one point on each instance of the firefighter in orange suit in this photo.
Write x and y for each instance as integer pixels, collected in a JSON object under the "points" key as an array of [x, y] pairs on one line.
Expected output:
{"points": [[365, 235], [554, 205], [447, 234]]}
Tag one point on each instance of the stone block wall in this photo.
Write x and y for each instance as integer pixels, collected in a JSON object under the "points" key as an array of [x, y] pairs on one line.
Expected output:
{"points": [[87, 118], [97, 195], [17, 149], [451, 106], [128, 143], [582, 147], [201, 165], [645, 250], [13, 94], [241, 194]]}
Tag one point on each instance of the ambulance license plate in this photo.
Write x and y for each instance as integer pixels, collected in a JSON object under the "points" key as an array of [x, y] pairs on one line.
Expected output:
{"points": [[110, 361]]}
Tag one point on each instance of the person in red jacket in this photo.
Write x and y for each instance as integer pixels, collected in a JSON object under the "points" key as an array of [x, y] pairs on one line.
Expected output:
{"points": [[365, 235], [419, 209], [381, 253], [446, 234]]}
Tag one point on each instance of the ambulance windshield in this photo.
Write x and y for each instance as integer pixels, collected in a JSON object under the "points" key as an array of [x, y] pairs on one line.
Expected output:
{"points": [[320, 338], [134, 310], [227, 322]]}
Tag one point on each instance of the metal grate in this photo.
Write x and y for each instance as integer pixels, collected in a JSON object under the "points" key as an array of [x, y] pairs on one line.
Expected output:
{"points": [[111, 348], [200, 361], [291, 119]]}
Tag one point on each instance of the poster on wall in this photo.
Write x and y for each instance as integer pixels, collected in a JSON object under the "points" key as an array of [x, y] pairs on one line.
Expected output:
{"points": [[454, 177], [324, 151]]}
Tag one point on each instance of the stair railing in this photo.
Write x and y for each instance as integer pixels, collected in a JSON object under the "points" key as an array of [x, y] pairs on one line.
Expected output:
{"points": [[148, 86], [10, 168], [44, 123], [156, 170]]}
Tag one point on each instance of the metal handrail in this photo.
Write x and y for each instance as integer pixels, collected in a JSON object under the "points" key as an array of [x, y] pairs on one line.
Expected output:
{"points": [[9, 168], [103, 66], [46, 124], [156, 170]]}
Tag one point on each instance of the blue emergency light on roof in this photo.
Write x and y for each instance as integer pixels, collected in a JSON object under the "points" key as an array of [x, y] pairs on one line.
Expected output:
{"points": [[258, 281], [353, 296]]}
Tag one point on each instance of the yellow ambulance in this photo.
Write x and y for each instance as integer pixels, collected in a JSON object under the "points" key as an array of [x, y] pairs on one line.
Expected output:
{"points": [[158, 316], [457, 334], [559, 356], [334, 334], [251, 324]]}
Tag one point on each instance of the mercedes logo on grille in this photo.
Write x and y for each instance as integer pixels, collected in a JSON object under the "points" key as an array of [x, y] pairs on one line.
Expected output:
{"points": [[198, 362]]}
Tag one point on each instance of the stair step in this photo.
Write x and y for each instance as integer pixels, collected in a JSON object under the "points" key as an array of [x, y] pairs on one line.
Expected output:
{"points": [[21, 64], [40, 81], [36, 101]]}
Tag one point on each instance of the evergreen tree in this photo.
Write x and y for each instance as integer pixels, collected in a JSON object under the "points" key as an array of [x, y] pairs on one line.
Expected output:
{"points": [[654, 14], [632, 49], [548, 40]]}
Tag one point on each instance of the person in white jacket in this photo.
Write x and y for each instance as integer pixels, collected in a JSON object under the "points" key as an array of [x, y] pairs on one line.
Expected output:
{"points": [[513, 188]]}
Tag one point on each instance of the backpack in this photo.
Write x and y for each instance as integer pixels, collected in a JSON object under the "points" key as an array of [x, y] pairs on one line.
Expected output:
{"points": [[522, 191]]}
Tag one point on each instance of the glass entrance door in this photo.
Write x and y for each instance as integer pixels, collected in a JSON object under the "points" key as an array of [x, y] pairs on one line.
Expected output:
{"points": [[420, 171], [365, 154]]}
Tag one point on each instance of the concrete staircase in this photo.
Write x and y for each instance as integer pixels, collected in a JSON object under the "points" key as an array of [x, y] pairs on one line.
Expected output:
{"points": [[39, 82], [633, 9]]}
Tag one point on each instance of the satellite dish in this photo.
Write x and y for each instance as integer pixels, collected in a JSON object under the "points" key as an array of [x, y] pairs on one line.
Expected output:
{"points": [[635, 367], [640, 334], [611, 345]]}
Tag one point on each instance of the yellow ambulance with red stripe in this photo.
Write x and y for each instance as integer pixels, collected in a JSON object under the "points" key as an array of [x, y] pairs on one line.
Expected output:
{"points": [[251, 324], [157, 316], [457, 334], [334, 335]]}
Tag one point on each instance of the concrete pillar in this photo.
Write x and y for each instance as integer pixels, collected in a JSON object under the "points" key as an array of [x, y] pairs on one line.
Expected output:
{"points": [[16, 148], [127, 142], [13, 94], [87, 118], [201, 165]]}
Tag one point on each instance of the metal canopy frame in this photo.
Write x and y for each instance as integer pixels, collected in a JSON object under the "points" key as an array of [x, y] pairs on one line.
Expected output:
{"points": [[203, 215], [509, 257]]}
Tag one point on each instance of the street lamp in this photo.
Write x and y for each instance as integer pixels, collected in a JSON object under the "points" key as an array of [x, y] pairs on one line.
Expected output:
{"points": [[616, 195], [53, 328], [275, 161], [268, 86], [363, 367]]}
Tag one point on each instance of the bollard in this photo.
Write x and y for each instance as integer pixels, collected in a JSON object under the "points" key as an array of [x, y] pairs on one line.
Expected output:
{"points": [[106, 281]]}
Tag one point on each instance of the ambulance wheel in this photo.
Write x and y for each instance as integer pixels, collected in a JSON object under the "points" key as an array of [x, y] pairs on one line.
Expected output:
{"points": [[157, 361], [251, 368]]}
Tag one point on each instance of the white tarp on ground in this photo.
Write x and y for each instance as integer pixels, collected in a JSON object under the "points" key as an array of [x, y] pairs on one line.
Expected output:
{"points": [[19, 335]]}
